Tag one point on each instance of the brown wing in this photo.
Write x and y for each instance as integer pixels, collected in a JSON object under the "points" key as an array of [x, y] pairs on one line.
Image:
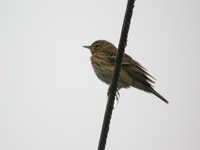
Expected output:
{"points": [[134, 68], [138, 73]]}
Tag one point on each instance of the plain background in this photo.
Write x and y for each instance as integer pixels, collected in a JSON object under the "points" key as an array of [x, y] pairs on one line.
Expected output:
{"points": [[50, 97]]}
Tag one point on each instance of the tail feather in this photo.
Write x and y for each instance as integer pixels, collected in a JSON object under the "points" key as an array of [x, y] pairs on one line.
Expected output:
{"points": [[159, 96]]}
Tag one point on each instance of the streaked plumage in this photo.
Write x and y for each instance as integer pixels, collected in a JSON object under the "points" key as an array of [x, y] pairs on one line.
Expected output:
{"points": [[131, 74]]}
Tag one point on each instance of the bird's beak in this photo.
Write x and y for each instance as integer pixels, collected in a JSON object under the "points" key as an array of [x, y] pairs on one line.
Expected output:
{"points": [[85, 46]]}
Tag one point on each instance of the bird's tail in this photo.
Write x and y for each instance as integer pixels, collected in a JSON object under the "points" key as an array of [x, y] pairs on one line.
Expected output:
{"points": [[159, 96]]}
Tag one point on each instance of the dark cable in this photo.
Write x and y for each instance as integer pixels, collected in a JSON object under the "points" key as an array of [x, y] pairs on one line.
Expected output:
{"points": [[113, 86]]}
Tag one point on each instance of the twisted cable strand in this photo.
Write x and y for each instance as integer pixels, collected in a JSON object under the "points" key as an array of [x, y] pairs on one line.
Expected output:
{"points": [[115, 78]]}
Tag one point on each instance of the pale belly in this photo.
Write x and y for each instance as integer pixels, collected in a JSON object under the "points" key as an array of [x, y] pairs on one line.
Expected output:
{"points": [[103, 75], [104, 72]]}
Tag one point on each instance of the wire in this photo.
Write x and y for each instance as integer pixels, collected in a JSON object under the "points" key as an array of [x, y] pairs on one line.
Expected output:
{"points": [[113, 86]]}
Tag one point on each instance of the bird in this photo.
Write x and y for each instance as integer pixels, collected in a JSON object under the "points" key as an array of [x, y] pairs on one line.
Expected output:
{"points": [[132, 73]]}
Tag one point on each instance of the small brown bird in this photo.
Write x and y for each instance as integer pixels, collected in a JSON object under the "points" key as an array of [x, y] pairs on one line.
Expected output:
{"points": [[131, 74]]}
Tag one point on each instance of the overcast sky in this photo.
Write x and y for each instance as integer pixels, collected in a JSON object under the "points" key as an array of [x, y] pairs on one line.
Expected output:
{"points": [[51, 99]]}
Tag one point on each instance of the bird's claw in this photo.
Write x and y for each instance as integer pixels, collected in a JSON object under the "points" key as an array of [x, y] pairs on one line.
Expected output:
{"points": [[117, 96]]}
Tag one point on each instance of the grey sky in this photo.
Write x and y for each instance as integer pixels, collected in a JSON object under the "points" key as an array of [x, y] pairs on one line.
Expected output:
{"points": [[50, 97]]}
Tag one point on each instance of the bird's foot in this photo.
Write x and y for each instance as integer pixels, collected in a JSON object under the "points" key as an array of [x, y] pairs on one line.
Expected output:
{"points": [[117, 96]]}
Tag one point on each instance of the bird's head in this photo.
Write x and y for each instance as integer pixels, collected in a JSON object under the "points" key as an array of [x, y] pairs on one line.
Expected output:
{"points": [[98, 46]]}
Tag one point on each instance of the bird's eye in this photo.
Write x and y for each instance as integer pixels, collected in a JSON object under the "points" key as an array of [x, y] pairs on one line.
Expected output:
{"points": [[96, 46]]}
